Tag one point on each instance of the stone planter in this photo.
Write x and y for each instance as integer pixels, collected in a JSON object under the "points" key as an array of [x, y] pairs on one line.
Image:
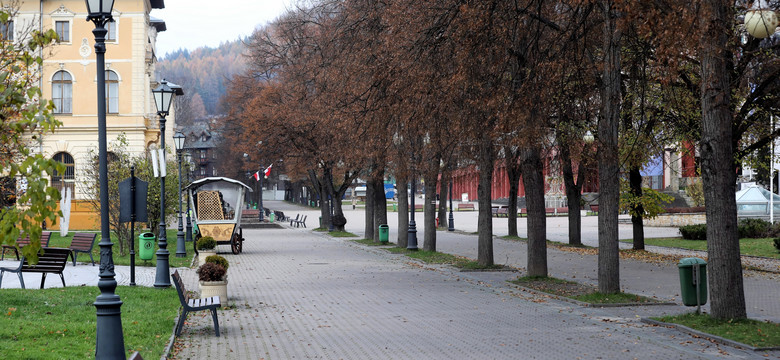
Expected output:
{"points": [[214, 288], [203, 254]]}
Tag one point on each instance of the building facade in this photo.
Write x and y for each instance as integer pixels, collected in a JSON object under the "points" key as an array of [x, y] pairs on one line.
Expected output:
{"points": [[68, 77]]}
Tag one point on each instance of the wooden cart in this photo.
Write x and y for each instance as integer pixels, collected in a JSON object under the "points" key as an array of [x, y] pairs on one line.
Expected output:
{"points": [[217, 202]]}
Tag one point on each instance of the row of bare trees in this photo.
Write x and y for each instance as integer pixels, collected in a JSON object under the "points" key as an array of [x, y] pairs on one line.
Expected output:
{"points": [[412, 89]]}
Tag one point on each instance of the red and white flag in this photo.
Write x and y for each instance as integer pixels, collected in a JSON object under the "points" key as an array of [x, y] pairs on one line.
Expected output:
{"points": [[256, 176], [268, 170]]}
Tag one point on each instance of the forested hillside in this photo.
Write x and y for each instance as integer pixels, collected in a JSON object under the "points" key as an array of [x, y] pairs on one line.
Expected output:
{"points": [[203, 73]]}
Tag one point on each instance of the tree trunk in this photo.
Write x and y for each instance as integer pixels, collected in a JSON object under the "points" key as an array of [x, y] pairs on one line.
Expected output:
{"points": [[485, 220], [444, 187], [533, 181], [429, 237], [380, 204], [369, 229], [609, 168], [513, 172], [727, 294], [573, 192], [403, 213], [635, 181]]}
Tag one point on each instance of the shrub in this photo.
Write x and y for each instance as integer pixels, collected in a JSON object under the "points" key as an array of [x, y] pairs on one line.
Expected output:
{"points": [[777, 244], [753, 228], [211, 272], [694, 232], [206, 243], [219, 260]]}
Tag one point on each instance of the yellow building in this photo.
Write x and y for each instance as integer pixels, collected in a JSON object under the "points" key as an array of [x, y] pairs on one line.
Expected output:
{"points": [[69, 78]]}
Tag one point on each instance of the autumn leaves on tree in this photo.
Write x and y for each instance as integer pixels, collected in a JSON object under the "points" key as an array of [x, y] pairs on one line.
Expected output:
{"points": [[412, 89]]}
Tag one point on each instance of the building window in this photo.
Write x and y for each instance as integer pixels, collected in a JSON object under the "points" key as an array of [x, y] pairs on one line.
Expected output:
{"points": [[7, 31], [203, 154], [112, 92], [66, 180], [62, 92], [63, 30], [111, 36], [203, 137], [202, 171]]}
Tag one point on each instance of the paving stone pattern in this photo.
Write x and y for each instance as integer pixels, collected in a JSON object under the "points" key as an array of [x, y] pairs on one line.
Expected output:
{"points": [[295, 294]]}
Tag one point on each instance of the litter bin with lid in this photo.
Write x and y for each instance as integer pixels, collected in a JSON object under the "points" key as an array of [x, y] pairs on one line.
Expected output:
{"points": [[693, 277], [146, 246], [384, 233]]}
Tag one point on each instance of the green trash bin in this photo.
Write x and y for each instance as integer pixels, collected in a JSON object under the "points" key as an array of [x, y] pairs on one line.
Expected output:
{"points": [[689, 281], [271, 217], [146, 246], [384, 233]]}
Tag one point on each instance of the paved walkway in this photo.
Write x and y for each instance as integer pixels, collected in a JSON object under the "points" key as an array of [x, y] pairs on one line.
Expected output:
{"points": [[299, 294]]}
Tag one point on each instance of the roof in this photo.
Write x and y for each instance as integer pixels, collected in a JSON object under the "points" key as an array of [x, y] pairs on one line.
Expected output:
{"points": [[755, 195], [194, 138], [198, 183], [158, 24]]}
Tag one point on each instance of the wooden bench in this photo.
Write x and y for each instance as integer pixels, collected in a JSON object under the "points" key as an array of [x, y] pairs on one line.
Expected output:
{"points": [[502, 212], [52, 260], [594, 208], [466, 206], [189, 305], [82, 243], [250, 214], [297, 217], [45, 236]]}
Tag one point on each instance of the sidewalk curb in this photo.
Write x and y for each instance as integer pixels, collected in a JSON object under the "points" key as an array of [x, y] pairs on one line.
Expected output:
{"points": [[714, 338]]}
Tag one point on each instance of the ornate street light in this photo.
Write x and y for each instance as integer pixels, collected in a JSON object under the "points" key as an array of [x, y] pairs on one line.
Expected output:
{"points": [[163, 96], [760, 20], [110, 342], [181, 251], [188, 160]]}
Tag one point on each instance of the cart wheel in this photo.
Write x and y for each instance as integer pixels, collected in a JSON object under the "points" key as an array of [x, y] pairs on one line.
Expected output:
{"points": [[235, 244]]}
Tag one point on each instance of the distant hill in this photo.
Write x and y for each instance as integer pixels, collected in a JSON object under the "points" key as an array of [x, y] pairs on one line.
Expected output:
{"points": [[203, 71]]}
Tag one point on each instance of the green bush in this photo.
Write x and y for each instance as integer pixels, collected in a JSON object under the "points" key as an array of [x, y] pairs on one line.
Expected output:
{"points": [[219, 260], [694, 232], [753, 228], [206, 243]]}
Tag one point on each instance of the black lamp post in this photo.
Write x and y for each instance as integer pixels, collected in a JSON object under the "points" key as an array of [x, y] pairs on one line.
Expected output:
{"points": [[110, 342], [181, 251], [188, 235], [451, 225], [411, 243], [163, 96], [260, 179]]}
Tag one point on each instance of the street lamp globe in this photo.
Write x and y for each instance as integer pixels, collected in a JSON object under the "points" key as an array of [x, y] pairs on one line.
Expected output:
{"points": [[178, 141], [163, 97], [97, 9], [588, 138], [760, 21]]}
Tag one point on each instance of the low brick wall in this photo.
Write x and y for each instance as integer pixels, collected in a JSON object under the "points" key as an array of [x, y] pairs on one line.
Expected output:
{"points": [[676, 219]]}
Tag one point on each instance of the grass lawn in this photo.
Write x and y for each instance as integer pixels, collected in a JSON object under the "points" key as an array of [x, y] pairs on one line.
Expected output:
{"points": [[751, 332], [371, 242], [577, 291], [435, 257], [60, 323], [58, 241], [341, 234], [755, 247]]}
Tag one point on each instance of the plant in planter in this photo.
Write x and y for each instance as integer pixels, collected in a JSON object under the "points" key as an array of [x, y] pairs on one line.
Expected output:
{"points": [[206, 247], [219, 260], [213, 280]]}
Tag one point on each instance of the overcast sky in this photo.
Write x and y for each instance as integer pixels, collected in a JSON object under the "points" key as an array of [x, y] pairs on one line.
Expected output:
{"points": [[195, 23]]}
